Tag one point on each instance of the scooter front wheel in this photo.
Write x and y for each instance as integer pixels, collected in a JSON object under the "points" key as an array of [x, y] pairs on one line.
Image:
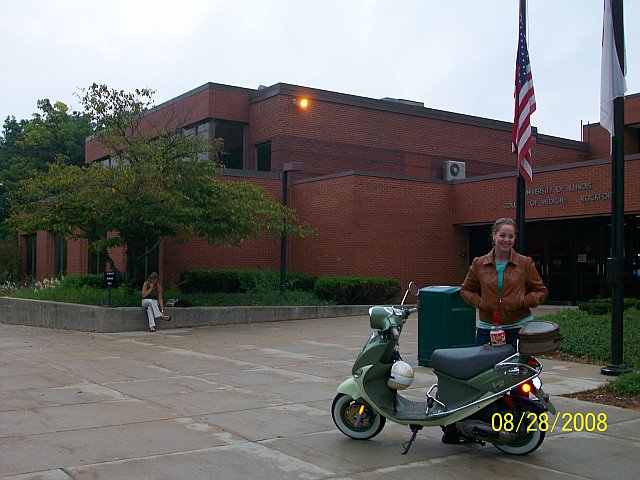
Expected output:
{"points": [[354, 419]]}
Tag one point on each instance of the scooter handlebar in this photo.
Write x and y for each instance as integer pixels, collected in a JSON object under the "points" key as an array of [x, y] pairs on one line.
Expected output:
{"points": [[395, 333]]}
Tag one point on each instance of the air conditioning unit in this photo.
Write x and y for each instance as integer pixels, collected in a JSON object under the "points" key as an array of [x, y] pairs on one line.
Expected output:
{"points": [[453, 170]]}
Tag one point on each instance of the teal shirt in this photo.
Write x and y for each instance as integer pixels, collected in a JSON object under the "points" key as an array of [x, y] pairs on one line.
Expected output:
{"points": [[500, 266]]}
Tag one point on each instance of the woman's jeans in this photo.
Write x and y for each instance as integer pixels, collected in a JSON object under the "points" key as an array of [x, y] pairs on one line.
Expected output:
{"points": [[153, 310]]}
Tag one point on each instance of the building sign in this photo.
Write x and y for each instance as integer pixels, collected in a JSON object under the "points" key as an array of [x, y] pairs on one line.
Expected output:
{"points": [[562, 195]]}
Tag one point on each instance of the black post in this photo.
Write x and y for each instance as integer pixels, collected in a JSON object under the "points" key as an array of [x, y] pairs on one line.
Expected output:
{"points": [[521, 244], [109, 280], [615, 264], [283, 235], [286, 168], [521, 188]]}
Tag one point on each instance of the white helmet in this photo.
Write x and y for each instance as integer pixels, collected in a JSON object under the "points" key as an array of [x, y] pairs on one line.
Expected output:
{"points": [[401, 376]]}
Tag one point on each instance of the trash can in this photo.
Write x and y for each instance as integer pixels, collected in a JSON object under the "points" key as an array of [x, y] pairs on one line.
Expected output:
{"points": [[444, 321]]}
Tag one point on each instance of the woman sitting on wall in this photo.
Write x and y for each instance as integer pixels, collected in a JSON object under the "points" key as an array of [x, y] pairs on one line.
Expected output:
{"points": [[152, 301]]}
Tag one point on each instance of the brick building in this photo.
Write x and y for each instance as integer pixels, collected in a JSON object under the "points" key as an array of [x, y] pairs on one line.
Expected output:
{"points": [[393, 189]]}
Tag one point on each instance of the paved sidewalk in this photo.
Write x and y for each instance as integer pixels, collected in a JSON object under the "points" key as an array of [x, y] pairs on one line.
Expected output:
{"points": [[252, 401]]}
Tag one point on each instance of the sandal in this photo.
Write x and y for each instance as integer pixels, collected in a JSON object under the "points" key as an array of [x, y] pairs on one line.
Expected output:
{"points": [[152, 329], [166, 318]]}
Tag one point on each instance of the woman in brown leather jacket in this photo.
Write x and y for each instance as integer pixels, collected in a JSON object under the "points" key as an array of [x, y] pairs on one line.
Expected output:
{"points": [[503, 281]]}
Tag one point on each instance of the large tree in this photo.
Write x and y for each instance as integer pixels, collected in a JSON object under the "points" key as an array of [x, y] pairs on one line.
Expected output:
{"points": [[54, 133], [160, 181], [27, 146]]}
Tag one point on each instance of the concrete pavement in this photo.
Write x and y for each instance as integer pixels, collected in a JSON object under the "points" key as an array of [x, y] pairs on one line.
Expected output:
{"points": [[253, 401]]}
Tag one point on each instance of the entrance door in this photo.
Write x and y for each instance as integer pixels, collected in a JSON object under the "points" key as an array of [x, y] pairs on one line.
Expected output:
{"points": [[590, 258], [549, 244], [537, 248]]}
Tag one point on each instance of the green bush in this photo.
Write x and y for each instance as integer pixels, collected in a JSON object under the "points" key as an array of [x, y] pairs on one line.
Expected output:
{"points": [[209, 281], [601, 306], [79, 281], [239, 281], [84, 295], [356, 290], [123, 297], [300, 281]]}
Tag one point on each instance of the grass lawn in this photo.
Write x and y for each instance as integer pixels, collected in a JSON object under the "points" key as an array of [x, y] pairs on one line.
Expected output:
{"points": [[587, 337]]}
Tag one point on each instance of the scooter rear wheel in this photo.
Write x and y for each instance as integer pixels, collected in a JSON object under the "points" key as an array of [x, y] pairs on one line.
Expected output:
{"points": [[529, 438], [345, 412]]}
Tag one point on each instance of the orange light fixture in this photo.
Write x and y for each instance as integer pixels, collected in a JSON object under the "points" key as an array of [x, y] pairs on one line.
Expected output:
{"points": [[304, 103]]}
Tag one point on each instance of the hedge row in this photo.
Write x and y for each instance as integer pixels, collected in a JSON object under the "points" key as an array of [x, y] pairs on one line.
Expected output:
{"points": [[345, 290], [356, 290], [601, 306], [240, 281], [88, 280]]}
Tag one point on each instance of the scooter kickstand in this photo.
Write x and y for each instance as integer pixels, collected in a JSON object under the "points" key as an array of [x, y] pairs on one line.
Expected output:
{"points": [[407, 445]]}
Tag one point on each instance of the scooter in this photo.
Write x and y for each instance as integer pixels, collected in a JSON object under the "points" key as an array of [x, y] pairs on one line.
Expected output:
{"points": [[486, 394]]}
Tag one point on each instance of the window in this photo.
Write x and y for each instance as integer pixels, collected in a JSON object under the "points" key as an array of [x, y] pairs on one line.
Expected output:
{"points": [[30, 263], [96, 263], [59, 255], [233, 135], [263, 157], [202, 130], [109, 162]]}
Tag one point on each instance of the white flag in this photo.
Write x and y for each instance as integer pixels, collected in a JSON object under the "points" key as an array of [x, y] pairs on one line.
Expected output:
{"points": [[612, 82]]}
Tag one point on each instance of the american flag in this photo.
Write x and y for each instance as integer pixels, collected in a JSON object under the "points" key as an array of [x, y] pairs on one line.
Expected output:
{"points": [[525, 106]]}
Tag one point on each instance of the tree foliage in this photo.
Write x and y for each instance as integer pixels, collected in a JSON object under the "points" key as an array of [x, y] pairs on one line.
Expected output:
{"points": [[161, 182], [53, 134]]}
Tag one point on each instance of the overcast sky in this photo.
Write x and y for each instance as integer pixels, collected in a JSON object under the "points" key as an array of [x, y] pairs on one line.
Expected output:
{"points": [[454, 55]]}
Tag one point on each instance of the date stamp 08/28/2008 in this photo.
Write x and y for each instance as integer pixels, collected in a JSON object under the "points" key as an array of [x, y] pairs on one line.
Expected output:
{"points": [[564, 422]]}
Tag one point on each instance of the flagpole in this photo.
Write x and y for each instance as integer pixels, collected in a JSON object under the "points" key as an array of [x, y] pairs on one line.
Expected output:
{"points": [[615, 263], [521, 244]]}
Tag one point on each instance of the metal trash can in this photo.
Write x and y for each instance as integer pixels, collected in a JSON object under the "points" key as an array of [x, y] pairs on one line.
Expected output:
{"points": [[444, 321]]}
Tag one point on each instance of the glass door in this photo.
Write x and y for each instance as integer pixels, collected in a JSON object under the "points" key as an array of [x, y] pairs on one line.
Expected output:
{"points": [[537, 248], [590, 259], [559, 270]]}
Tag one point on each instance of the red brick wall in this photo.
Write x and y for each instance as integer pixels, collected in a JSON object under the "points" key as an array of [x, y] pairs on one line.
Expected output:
{"points": [[632, 109], [195, 106], [573, 190], [380, 227], [262, 252], [365, 226], [598, 137], [44, 255], [372, 225], [332, 137], [77, 257]]}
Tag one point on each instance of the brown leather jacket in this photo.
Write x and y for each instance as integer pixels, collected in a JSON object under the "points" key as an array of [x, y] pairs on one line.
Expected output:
{"points": [[522, 288]]}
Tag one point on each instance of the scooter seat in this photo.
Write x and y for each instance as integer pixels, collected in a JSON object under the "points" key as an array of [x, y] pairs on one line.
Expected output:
{"points": [[465, 363]]}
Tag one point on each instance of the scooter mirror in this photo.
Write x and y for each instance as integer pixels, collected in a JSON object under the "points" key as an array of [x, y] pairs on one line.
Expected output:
{"points": [[411, 288]]}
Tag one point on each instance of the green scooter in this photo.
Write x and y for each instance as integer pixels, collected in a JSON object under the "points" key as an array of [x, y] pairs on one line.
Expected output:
{"points": [[486, 394]]}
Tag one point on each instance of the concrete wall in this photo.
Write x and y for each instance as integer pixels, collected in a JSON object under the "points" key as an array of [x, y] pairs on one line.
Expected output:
{"points": [[85, 318]]}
